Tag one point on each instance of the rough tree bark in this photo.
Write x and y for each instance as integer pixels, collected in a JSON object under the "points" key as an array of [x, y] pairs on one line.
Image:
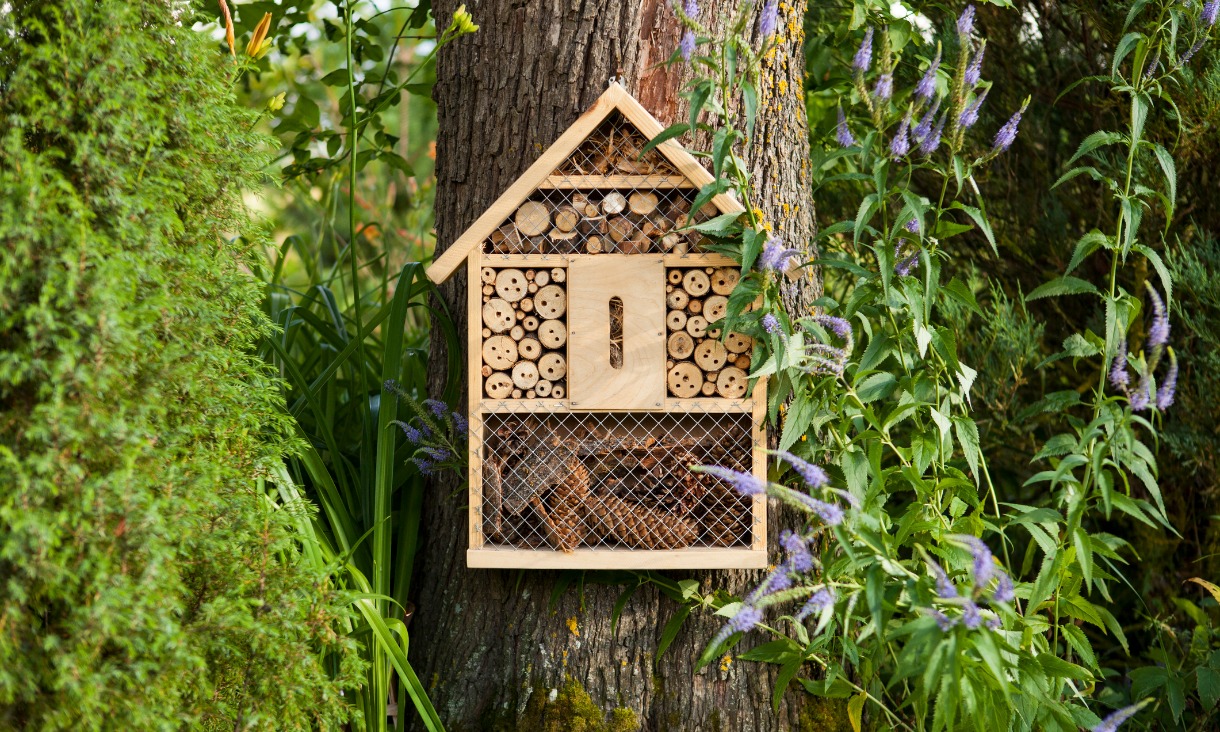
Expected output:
{"points": [[492, 650]]}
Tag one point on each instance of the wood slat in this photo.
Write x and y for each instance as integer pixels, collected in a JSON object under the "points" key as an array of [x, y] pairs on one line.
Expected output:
{"points": [[689, 558], [591, 182]]}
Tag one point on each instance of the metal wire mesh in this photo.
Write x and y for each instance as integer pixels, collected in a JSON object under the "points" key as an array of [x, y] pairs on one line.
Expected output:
{"points": [[606, 198], [565, 481]]}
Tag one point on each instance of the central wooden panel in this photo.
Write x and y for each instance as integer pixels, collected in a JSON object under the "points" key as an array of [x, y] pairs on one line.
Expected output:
{"points": [[597, 378]]}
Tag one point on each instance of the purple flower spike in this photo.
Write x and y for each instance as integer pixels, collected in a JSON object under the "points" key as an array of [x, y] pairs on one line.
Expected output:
{"points": [[984, 564], [838, 326], [974, 72], [885, 87], [1141, 398], [770, 19], [821, 600], [992, 622], [425, 466], [944, 622], [965, 22], [413, 435], [1211, 9], [460, 425], [745, 483], [864, 57], [1158, 333], [1186, 57], [842, 132], [1112, 722], [691, 8], [813, 475], [923, 129], [970, 114], [945, 589], [971, 617], [830, 513], [775, 257], [901, 144], [906, 266], [797, 548], [1164, 395], [1008, 133], [1004, 591], [743, 622], [927, 83], [770, 323], [1118, 370], [912, 226], [932, 141], [687, 46]]}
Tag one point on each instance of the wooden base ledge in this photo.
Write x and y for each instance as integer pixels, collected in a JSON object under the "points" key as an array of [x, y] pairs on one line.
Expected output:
{"points": [[692, 558]]}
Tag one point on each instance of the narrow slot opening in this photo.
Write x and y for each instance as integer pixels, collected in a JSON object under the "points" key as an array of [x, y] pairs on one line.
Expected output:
{"points": [[616, 332]]}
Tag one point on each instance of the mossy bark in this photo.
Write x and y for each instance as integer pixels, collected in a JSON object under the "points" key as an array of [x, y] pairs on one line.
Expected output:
{"points": [[488, 643]]}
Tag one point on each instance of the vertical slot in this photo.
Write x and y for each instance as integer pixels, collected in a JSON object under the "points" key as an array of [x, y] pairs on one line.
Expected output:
{"points": [[616, 332]]}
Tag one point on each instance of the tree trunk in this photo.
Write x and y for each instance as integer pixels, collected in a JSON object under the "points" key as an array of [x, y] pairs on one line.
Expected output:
{"points": [[500, 649]]}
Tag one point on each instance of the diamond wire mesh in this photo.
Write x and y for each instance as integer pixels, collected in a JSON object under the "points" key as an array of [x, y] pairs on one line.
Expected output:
{"points": [[606, 198], [566, 481]]}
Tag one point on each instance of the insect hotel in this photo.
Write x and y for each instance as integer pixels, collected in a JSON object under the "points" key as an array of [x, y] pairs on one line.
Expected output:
{"points": [[595, 380]]}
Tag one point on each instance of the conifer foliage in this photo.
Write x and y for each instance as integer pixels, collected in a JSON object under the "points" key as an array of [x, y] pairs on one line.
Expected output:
{"points": [[146, 579]]}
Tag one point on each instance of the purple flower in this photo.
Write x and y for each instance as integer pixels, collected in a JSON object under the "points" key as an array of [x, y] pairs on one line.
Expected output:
{"points": [[838, 326], [1112, 722], [924, 127], [830, 513], [770, 323], [965, 22], [745, 483], [813, 475], [842, 132], [970, 114], [820, 600], [460, 425], [770, 18], [984, 563], [1118, 370], [743, 622], [1164, 395], [971, 618], [993, 622], [425, 466], [1004, 591], [901, 144], [864, 57], [974, 72], [777, 581], [687, 45], [1210, 10], [1008, 133], [944, 622], [413, 435], [1186, 57], [774, 256], [1158, 333], [927, 83], [797, 548], [1152, 67], [945, 589], [885, 87], [912, 226], [1141, 398], [904, 267], [932, 141], [438, 409], [691, 8]]}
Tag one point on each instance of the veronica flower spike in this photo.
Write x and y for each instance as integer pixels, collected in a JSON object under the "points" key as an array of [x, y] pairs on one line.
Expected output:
{"points": [[1158, 332], [745, 483], [965, 22], [1008, 133], [813, 475], [1164, 394], [775, 257], [1116, 719], [927, 84], [842, 132], [770, 19], [864, 57]]}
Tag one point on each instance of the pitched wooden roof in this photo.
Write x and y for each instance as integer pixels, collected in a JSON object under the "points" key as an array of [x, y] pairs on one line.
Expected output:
{"points": [[615, 98]]}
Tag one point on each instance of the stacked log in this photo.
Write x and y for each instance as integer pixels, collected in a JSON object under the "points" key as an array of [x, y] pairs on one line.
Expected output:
{"points": [[524, 333], [700, 363]]}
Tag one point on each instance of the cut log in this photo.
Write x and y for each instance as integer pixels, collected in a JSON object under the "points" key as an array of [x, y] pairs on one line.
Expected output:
{"points": [[711, 355], [675, 320], [542, 388], [486, 371], [552, 333], [613, 203], [489, 290], [742, 362], [635, 245], [529, 349], [525, 374], [619, 229], [559, 274], [527, 304], [499, 385], [669, 242], [680, 345], [715, 307], [566, 218], [530, 322], [500, 352], [550, 302], [488, 275], [516, 333], [533, 218], [486, 332], [557, 391], [510, 284], [552, 366], [674, 276], [696, 325], [562, 238], [738, 343], [696, 282], [517, 393], [708, 389], [685, 380], [643, 202], [593, 245], [543, 278], [498, 315], [678, 300], [696, 306], [732, 383]]}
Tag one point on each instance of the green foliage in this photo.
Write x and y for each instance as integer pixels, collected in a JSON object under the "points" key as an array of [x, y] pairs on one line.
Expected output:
{"points": [[150, 582]]}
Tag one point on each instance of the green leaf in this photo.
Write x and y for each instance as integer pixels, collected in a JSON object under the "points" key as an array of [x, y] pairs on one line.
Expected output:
{"points": [[877, 386], [1084, 553], [671, 629], [855, 711], [979, 218], [1098, 139], [1088, 244], [1159, 266], [1171, 174], [1057, 667], [1125, 46], [959, 291], [968, 435], [1208, 683], [721, 225], [776, 651], [668, 133], [1062, 286]]}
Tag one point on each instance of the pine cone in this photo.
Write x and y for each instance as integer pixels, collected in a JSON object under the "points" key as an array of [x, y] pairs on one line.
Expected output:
{"points": [[636, 526], [565, 521]]}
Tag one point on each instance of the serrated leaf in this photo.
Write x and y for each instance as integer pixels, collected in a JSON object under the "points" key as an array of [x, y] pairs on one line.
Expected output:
{"points": [[1062, 286], [968, 435], [671, 629], [855, 710], [1171, 173], [1088, 244], [1099, 139], [877, 386]]}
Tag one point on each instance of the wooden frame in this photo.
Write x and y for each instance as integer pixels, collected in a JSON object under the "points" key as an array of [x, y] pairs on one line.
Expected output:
{"points": [[695, 417]]}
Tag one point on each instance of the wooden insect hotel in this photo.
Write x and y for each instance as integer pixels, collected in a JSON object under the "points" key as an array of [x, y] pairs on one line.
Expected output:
{"points": [[595, 381]]}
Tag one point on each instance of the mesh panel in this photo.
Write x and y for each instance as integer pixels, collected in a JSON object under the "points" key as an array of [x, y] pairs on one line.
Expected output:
{"points": [[564, 481], [606, 198]]}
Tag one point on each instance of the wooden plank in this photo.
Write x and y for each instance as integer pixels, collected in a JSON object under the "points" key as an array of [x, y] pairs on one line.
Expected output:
{"points": [[638, 383], [759, 440], [560, 406], [690, 558], [698, 260], [673, 152], [474, 393], [541, 260], [589, 182]]}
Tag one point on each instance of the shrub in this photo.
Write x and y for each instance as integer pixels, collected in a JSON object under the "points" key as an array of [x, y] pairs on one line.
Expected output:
{"points": [[147, 580]]}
